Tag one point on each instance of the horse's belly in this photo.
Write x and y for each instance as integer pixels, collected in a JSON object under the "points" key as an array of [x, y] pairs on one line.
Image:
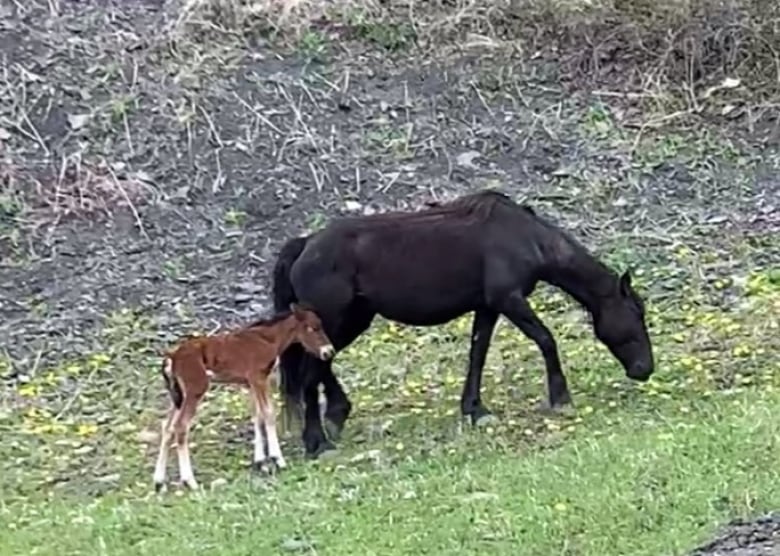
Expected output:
{"points": [[420, 318], [419, 309]]}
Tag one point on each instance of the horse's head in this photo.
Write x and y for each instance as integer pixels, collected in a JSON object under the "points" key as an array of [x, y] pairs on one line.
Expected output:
{"points": [[310, 333], [620, 325]]}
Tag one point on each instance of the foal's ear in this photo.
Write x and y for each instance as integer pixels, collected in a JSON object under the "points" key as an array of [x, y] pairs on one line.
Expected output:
{"points": [[296, 310], [625, 283]]}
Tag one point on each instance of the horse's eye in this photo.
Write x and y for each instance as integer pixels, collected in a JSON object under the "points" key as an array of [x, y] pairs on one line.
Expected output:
{"points": [[309, 329]]}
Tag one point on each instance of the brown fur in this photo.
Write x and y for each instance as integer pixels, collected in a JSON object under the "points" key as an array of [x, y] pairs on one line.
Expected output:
{"points": [[245, 357]]}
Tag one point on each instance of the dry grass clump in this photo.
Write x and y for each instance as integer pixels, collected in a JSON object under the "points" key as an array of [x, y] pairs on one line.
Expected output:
{"points": [[684, 42], [286, 17], [647, 43]]}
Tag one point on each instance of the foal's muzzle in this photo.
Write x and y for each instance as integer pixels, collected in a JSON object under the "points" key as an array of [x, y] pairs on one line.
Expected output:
{"points": [[327, 352]]}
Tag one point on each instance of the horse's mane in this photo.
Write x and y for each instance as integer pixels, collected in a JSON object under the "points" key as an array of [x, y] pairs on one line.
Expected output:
{"points": [[479, 205], [483, 203]]}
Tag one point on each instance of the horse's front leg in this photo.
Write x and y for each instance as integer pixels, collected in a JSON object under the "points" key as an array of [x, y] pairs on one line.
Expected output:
{"points": [[471, 398], [516, 308]]}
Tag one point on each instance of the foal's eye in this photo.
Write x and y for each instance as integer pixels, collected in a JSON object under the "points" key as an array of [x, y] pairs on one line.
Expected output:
{"points": [[309, 329]]}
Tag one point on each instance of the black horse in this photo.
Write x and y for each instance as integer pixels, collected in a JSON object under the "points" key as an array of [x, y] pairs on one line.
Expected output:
{"points": [[481, 252]]}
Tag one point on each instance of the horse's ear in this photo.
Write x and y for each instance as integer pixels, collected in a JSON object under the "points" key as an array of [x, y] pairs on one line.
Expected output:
{"points": [[625, 283], [295, 309]]}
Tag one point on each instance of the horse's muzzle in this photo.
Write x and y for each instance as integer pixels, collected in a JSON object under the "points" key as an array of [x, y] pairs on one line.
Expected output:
{"points": [[640, 372]]}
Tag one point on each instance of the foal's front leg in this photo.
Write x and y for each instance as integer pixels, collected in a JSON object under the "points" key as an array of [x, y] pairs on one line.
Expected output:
{"points": [[516, 308], [259, 459], [274, 449]]}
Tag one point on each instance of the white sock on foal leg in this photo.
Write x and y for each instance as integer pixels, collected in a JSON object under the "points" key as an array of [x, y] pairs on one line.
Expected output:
{"points": [[260, 453], [185, 465], [274, 449], [166, 437]]}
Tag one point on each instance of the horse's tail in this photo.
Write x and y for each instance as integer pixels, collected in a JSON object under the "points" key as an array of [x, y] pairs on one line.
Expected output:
{"points": [[290, 377], [171, 384]]}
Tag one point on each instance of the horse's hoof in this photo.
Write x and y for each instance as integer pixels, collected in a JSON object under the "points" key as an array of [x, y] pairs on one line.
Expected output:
{"points": [[159, 486], [335, 420], [564, 409], [481, 416], [324, 448], [333, 429], [485, 420]]}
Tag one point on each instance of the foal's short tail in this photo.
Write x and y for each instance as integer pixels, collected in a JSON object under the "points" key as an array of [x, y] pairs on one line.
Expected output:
{"points": [[171, 384], [290, 377]]}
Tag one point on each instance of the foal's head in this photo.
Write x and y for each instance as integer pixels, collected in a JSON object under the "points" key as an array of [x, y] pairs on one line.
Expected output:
{"points": [[308, 331], [620, 325]]}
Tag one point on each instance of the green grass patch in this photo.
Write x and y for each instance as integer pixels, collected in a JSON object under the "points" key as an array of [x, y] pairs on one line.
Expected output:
{"points": [[654, 483], [636, 469]]}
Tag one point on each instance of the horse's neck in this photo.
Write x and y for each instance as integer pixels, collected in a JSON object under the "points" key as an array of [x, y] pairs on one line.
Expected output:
{"points": [[584, 278]]}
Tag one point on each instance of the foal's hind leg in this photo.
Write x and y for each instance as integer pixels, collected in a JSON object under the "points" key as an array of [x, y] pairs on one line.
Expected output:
{"points": [[471, 399], [182, 425], [166, 437]]}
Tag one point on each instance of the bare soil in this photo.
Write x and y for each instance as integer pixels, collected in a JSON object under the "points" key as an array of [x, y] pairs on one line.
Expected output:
{"points": [[746, 538], [161, 176]]}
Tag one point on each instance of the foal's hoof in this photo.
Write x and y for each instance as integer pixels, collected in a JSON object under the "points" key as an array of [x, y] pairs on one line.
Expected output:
{"points": [[269, 467], [159, 486], [279, 463], [262, 467]]}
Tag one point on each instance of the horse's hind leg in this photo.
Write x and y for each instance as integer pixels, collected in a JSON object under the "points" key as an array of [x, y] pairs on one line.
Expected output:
{"points": [[354, 322], [314, 440], [343, 322], [471, 400], [337, 404]]}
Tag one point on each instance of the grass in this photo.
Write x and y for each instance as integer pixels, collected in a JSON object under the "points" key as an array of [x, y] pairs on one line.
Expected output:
{"points": [[636, 469], [653, 484]]}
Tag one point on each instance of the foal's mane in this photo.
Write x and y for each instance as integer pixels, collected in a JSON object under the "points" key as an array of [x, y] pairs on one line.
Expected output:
{"points": [[271, 320]]}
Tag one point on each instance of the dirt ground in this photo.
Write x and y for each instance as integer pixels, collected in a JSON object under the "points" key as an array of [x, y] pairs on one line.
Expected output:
{"points": [[757, 538], [161, 176]]}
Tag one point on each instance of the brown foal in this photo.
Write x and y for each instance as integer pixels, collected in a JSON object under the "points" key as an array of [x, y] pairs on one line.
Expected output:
{"points": [[247, 357]]}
